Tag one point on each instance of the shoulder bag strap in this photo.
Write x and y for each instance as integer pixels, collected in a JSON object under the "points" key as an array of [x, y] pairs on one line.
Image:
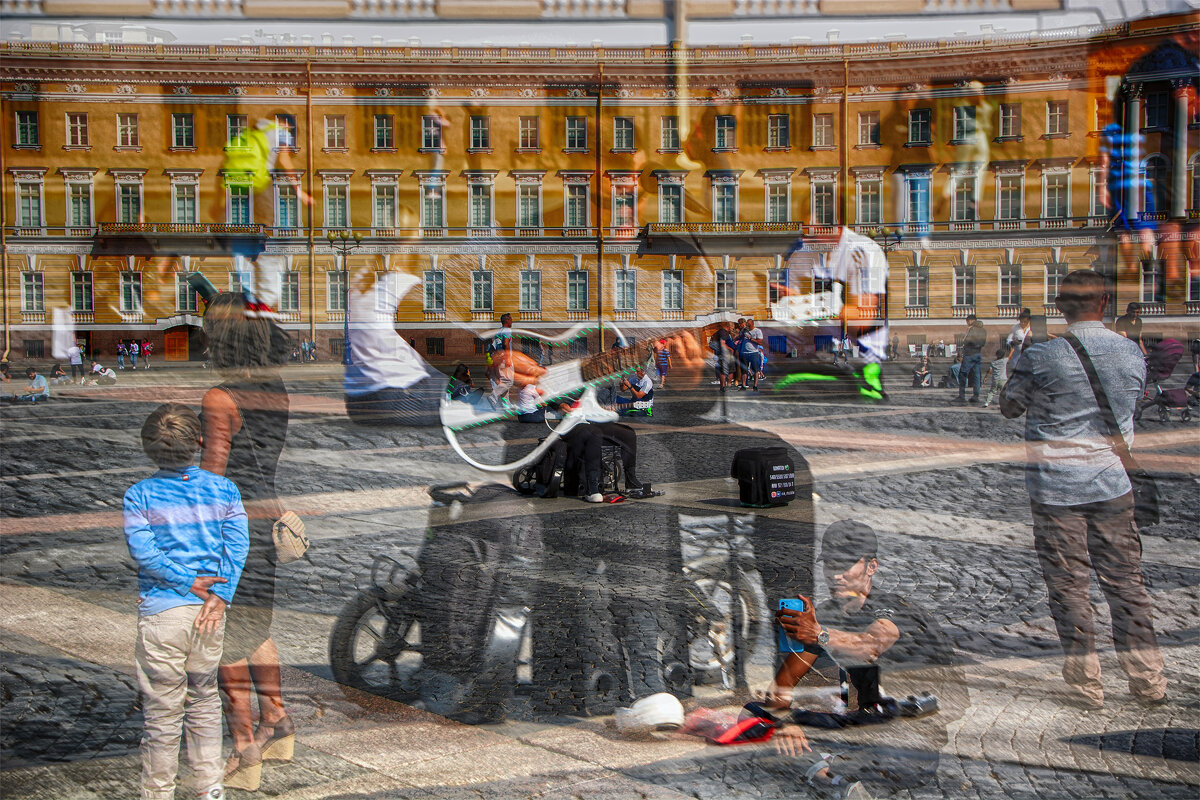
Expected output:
{"points": [[1116, 438]]}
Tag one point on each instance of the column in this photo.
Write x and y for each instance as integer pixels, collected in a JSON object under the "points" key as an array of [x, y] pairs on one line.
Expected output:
{"points": [[1179, 187], [1133, 141]]}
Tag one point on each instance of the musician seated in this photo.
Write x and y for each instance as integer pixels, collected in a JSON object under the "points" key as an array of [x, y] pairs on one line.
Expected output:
{"points": [[585, 457], [641, 388]]}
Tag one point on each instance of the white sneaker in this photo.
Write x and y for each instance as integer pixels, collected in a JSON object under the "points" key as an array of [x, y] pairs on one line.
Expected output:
{"points": [[594, 498], [212, 793]]}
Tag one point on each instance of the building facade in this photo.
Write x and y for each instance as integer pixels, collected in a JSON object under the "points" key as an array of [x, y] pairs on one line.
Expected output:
{"points": [[650, 186]]}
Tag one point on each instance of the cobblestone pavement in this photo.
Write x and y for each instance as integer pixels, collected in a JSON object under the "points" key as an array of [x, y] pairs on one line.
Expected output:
{"points": [[941, 484]]}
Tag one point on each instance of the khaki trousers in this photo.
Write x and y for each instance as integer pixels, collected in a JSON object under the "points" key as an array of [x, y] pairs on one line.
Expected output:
{"points": [[1073, 540], [177, 679]]}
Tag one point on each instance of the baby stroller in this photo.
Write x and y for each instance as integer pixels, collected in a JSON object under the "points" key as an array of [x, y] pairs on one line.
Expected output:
{"points": [[1160, 363]]}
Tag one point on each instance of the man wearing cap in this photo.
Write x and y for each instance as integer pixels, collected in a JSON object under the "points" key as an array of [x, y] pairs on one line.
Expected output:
{"points": [[1080, 493], [878, 636]]}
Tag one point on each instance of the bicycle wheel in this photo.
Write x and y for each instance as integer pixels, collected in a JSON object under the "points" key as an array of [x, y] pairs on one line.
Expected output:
{"points": [[375, 646], [711, 619]]}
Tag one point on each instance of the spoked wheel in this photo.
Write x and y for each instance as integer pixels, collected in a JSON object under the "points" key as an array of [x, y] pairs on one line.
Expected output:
{"points": [[524, 480], [375, 646], [1164, 416], [711, 645]]}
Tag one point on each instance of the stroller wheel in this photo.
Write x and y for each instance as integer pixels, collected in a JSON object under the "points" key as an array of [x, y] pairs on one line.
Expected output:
{"points": [[1163, 414]]}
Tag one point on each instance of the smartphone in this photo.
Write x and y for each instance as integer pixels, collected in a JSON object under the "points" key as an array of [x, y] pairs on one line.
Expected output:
{"points": [[786, 643]]}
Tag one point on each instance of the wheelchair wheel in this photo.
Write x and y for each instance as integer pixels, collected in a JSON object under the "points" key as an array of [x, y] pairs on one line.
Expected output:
{"points": [[711, 647], [1164, 416], [524, 480], [375, 646]]}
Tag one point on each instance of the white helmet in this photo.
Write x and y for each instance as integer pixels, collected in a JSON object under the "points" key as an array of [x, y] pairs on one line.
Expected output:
{"points": [[658, 712]]}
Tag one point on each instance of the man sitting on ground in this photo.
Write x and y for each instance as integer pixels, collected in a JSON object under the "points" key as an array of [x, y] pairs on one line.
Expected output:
{"points": [[641, 388], [37, 389]]}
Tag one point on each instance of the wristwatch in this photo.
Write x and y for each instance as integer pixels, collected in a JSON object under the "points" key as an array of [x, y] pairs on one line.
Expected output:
{"points": [[823, 638]]}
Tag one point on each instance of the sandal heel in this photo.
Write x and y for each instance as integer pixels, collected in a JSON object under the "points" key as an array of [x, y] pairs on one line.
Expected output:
{"points": [[281, 749], [248, 778]]}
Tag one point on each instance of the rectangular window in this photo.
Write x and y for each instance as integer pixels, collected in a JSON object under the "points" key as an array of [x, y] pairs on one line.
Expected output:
{"points": [[1056, 197], [335, 132], [82, 298], [726, 132], [235, 126], [385, 206], [870, 202], [239, 281], [435, 290], [433, 205], [183, 130], [823, 211], [725, 202], [868, 128], [79, 198], [77, 129], [131, 292], [528, 133], [1056, 118], [481, 290], [670, 203], [386, 298], [481, 206], [1011, 188], [435, 345], [27, 129], [481, 132], [726, 289], [431, 133], [127, 130], [822, 130], [918, 199], [1055, 274], [33, 292], [186, 299], [777, 203], [1010, 284], [622, 133], [963, 207], [530, 290], [1156, 110], [286, 125], [185, 203], [129, 202], [1096, 193], [577, 290], [577, 206], [964, 123], [1010, 120], [672, 290], [626, 290], [1153, 282], [287, 206], [577, 133], [289, 292], [669, 133], [29, 205], [778, 131], [964, 286], [917, 295], [385, 134], [624, 206], [335, 290], [239, 204], [529, 206], [920, 127], [777, 285], [335, 207]]}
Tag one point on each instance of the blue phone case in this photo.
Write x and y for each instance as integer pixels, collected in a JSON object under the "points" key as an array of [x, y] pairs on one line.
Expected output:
{"points": [[786, 643]]}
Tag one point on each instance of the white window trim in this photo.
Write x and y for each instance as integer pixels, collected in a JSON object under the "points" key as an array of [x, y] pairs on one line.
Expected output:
{"points": [[521, 289], [567, 133], [625, 267], [425, 278], [425, 180], [1066, 118], [87, 129], [955, 179], [787, 129], [141, 299], [491, 304], [814, 182], [27, 278], [329, 280], [622, 181], [329, 129], [490, 225], [1000, 270], [330, 180], [229, 201], [859, 182], [866, 116], [1046, 280], [737, 200], [181, 282], [1046, 193], [832, 130], [725, 268], [175, 187], [662, 128], [632, 145], [137, 130], [671, 269], [1000, 176], [283, 280], [91, 285], [523, 179], [129, 181], [40, 183], [278, 221]]}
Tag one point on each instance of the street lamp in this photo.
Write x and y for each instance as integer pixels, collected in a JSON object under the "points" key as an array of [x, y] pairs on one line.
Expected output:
{"points": [[888, 240], [343, 242]]}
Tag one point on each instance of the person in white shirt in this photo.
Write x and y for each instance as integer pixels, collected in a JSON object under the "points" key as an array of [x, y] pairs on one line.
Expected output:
{"points": [[641, 388], [1017, 335], [75, 356]]}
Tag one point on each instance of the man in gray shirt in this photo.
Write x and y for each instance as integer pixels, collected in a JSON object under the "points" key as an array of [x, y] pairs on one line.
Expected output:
{"points": [[1081, 495]]}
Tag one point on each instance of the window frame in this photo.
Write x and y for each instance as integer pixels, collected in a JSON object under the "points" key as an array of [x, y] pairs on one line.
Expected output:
{"points": [[125, 190], [825, 189], [335, 192], [433, 290], [1003, 201], [779, 134], [576, 129], [183, 131], [920, 119], [672, 289], [187, 299], [384, 128], [868, 129], [480, 133], [577, 290], [1010, 117], [239, 195], [916, 287], [235, 126], [83, 291], [27, 131], [725, 133], [131, 299], [1049, 178], [128, 133], [90, 197], [432, 191], [529, 291], [529, 134], [24, 191], [785, 188], [823, 135], [966, 124], [1058, 120], [77, 128], [482, 283], [624, 196], [668, 134], [624, 135], [33, 292], [524, 191], [670, 203], [1009, 285], [725, 209], [625, 289], [335, 133], [572, 204], [861, 194], [965, 286], [289, 291], [725, 290], [178, 190], [432, 135], [287, 196], [335, 288], [381, 190]]}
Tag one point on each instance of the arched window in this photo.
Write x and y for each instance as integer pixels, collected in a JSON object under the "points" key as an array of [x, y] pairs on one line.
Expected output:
{"points": [[1157, 181]]}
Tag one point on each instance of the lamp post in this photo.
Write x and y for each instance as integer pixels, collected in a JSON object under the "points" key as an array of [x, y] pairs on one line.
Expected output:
{"points": [[888, 240], [343, 242]]}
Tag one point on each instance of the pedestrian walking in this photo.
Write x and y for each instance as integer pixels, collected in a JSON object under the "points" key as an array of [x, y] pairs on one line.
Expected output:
{"points": [[972, 359], [75, 357], [147, 348], [122, 351], [134, 350], [1080, 491]]}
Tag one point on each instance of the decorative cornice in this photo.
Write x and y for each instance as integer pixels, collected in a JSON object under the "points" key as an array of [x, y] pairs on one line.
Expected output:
{"points": [[284, 177], [868, 173], [623, 177], [776, 174], [127, 175], [822, 173], [125, 88], [27, 174], [577, 177], [184, 176], [670, 177], [77, 174], [431, 177], [479, 177], [724, 175], [528, 176], [1016, 167], [384, 177], [335, 177]]}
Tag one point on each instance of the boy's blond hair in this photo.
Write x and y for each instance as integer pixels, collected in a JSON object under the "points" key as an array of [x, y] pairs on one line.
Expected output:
{"points": [[171, 435]]}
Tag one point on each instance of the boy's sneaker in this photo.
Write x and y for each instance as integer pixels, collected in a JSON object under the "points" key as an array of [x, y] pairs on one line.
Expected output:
{"points": [[213, 793], [594, 498]]}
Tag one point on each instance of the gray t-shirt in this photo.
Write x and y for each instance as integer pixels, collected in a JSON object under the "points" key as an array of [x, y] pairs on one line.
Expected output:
{"points": [[1070, 459]]}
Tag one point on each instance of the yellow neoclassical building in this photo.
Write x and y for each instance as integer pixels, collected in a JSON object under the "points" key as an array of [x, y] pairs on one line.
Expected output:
{"points": [[650, 186]]}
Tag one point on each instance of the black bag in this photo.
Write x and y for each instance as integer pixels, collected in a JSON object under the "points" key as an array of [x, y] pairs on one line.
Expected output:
{"points": [[766, 476], [1145, 490]]}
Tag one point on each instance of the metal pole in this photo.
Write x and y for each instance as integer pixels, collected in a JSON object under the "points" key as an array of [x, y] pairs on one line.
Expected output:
{"points": [[600, 206], [312, 319], [346, 361]]}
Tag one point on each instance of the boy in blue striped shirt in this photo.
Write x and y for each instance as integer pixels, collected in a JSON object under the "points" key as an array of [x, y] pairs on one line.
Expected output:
{"points": [[187, 531]]}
